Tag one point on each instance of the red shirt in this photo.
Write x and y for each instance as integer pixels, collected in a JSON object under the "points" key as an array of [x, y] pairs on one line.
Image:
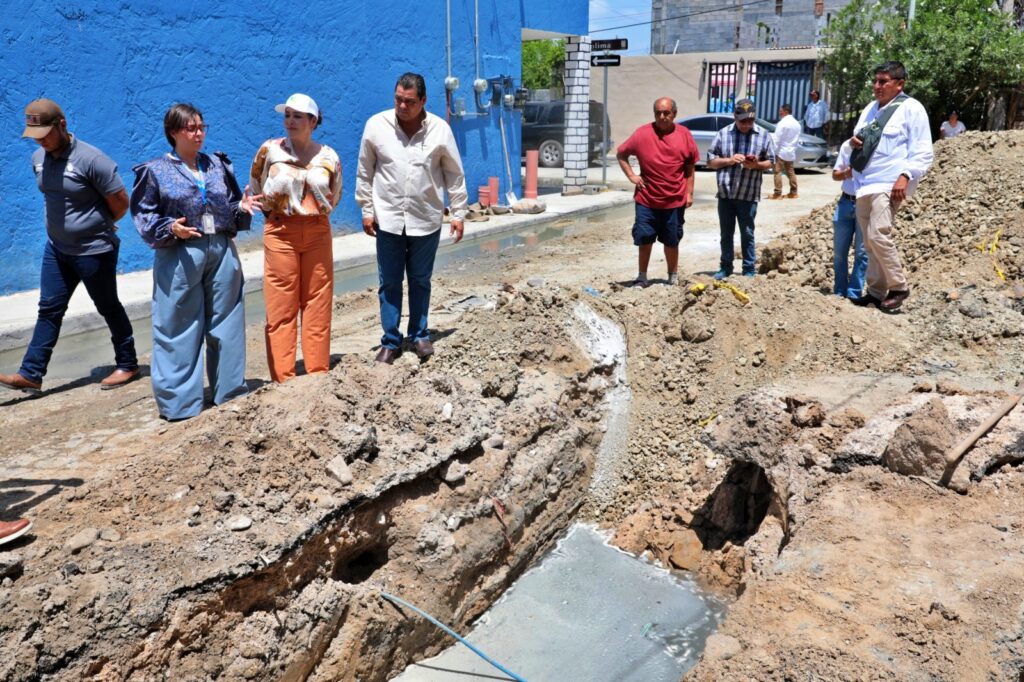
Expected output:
{"points": [[662, 158]]}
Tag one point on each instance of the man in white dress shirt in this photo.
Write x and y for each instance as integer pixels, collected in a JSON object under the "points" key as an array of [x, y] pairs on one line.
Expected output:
{"points": [[786, 139], [407, 161], [900, 159]]}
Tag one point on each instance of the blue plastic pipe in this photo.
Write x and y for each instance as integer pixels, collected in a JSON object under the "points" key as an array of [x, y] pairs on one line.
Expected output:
{"points": [[435, 621]]}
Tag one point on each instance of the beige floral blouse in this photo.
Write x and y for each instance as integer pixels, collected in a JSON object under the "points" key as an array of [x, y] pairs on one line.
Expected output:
{"points": [[289, 188]]}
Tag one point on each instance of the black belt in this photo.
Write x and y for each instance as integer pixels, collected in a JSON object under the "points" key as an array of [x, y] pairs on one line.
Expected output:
{"points": [[849, 196]]}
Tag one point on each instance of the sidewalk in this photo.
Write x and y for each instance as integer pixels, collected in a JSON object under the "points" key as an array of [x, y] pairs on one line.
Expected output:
{"points": [[135, 289]]}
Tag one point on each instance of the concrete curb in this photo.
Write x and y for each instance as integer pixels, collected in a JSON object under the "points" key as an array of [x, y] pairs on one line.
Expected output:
{"points": [[350, 250]]}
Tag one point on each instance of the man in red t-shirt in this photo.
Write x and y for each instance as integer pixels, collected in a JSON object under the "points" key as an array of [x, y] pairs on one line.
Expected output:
{"points": [[667, 155]]}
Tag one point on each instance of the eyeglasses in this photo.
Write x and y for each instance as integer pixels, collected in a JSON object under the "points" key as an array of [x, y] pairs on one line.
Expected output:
{"points": [[193, 129], [407, 101]]}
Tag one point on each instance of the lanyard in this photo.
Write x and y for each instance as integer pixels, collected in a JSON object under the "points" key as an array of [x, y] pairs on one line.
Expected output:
{"points": [[200, 178]]}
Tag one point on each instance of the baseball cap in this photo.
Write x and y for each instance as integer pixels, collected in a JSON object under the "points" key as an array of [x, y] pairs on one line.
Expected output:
{"points": [[300, 102], [40, 117], [744, 110]]}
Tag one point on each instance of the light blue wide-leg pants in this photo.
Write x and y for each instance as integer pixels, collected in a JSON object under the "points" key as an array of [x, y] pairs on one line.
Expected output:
{"points": [[197, 297]]}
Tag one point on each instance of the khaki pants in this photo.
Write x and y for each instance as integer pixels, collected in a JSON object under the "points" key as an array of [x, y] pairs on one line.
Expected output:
{"points": [[885, 272], [787, 168], [298, 277]]}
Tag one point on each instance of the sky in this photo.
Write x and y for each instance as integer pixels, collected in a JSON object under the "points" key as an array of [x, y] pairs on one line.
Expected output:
{"points": [[612, 13]]}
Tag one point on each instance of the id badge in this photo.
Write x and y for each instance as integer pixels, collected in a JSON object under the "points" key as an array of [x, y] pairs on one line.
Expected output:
{"points": [[209, 227]]}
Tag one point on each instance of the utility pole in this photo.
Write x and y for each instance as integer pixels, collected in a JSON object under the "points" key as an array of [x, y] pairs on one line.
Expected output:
{"points": [[910, 14]]}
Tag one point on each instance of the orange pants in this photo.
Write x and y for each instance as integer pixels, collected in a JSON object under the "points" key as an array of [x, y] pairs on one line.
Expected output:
{"points": [[298, 276]]}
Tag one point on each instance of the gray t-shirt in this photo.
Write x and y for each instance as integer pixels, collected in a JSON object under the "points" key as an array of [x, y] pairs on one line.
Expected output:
{"points": [[74, 187]]}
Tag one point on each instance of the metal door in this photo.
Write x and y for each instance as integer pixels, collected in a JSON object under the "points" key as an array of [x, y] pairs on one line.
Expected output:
{"points": [[772, 84]]}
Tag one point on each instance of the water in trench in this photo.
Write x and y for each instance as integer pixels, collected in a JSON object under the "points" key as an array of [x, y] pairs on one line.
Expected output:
{"points": [[89, 353], [587, 612]]}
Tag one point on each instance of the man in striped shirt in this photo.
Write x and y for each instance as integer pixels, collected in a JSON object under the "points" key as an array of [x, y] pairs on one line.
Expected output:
{"points": [[740, 153]]}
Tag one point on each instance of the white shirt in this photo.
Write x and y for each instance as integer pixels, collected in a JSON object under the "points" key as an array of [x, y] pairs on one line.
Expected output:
{"points": [[905, 147], [786, 137], [815, 114], [842, 164], [949, 131], [400, 181]]}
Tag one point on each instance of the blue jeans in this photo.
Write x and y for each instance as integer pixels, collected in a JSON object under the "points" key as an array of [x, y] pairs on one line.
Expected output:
{"points": [[399, 255], [58, 279], [846, 231], [730, 212]]}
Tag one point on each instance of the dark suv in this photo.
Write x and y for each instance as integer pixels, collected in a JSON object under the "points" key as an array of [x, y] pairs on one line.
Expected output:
{"points": [[544, 130]]}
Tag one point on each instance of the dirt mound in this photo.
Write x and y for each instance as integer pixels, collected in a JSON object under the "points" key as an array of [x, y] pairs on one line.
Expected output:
{"points": [[966, 217], [252, 541]]}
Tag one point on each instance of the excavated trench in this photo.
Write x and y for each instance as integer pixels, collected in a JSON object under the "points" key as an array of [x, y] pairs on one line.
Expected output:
{"points": [[440, 485]]}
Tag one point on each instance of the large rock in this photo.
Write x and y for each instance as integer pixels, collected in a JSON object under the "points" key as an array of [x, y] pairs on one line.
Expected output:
{"points": [[919, 445]]}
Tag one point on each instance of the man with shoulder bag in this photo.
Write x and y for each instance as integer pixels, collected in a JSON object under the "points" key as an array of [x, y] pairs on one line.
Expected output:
{"points": [[892, 150]]}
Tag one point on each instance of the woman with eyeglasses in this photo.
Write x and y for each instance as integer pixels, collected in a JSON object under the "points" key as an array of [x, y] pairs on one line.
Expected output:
{"points": [[188, 207], [300, 180]]}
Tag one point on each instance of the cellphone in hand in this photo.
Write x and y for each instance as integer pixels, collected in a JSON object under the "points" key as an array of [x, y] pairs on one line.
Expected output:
{"points": [[750, 157]]}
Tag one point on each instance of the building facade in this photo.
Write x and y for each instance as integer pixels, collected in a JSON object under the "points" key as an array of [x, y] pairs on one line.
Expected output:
{"points": [[681, 26], [115, 68]]}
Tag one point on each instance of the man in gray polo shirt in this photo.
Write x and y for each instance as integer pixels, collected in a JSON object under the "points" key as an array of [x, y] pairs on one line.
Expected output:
{"points": [[84, 197]]}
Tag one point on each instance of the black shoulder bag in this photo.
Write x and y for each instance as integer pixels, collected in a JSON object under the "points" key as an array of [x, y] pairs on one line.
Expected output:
{"points": [[871, 135]]}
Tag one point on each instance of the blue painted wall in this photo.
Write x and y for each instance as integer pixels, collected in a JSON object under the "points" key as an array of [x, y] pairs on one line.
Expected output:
{"points": [[115, 68]]}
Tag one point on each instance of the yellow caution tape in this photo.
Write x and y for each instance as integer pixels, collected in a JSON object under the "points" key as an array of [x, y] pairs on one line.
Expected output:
{"points": [[999, 272], [704, 422], [990, 247], [740, 295]]}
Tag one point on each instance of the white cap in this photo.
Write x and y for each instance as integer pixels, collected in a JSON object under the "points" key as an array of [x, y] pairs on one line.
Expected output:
{"points": [[300, 102]]}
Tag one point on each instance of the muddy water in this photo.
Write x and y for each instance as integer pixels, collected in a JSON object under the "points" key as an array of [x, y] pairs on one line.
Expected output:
{"points": [[89, 353], [586, 612]]}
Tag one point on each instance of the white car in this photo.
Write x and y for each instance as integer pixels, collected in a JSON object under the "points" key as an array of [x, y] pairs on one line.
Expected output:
{"points": [[811, 153]]}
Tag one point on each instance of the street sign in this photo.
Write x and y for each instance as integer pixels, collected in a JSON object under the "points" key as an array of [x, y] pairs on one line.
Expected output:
{"points": [[610, 44], [605, 60]]}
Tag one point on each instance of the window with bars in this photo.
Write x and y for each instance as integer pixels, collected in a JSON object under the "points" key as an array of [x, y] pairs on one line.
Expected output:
{"points": [[778, 6], [722, 87]]}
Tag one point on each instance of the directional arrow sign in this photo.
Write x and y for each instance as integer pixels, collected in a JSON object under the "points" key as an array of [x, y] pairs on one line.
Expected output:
{"points": [[612, 44], [605, 60]]}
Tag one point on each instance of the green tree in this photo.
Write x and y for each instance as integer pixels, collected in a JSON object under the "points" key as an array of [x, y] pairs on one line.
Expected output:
{"points": [[542, 63], [958, 53]]}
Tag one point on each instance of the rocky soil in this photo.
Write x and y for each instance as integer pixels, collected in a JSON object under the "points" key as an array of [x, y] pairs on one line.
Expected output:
{"points": [[781, 443]]}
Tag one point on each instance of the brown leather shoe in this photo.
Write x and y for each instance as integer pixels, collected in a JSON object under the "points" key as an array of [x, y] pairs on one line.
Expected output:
{"points": [[388, 355], [775, 196], [792, 195], [16, 382], [12, 530], [893, 301], [117, 378], [424, 349]]}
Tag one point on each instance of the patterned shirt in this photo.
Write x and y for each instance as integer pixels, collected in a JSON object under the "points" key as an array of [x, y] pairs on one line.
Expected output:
{"points": [[815, 114], [165, 189], [737, 182], [290, 188]]}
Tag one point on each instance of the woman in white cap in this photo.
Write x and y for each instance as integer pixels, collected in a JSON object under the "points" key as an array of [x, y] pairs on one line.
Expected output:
{"points": [[300, 180]]}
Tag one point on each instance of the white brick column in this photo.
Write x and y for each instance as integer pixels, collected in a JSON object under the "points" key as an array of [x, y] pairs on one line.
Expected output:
{"points": [[576, 78]]}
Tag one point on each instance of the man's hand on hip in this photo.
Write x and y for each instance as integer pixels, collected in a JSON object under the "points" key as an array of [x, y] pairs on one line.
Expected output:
{"points": [[638, 181], [457, 229], [370, 226]]}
